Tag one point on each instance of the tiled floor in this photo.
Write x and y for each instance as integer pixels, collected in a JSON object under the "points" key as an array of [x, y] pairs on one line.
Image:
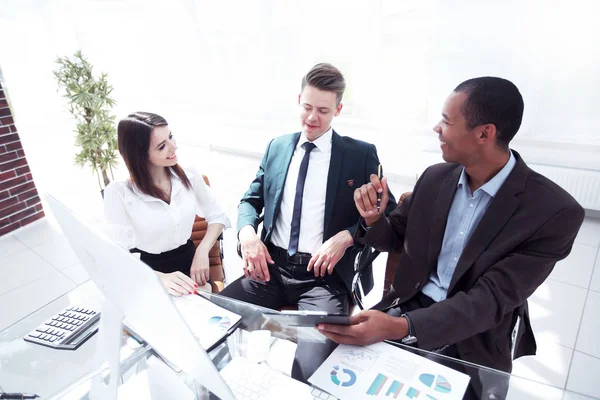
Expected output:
{"points": [[37, 266], [565, 312]]}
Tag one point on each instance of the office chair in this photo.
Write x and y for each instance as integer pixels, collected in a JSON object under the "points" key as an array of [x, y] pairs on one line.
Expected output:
{"points": [[217, 271], [365, 258]]}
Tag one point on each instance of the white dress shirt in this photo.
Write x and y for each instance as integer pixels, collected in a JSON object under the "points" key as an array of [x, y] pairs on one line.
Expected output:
{"points": [[313, 201], [135, 219]]}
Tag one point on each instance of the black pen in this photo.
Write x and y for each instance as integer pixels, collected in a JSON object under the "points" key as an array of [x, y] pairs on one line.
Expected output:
{"points": [[18, 396], [379, 175]]}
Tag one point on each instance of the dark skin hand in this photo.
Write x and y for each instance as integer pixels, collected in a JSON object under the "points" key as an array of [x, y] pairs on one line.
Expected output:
{"points": [[367, 327]]}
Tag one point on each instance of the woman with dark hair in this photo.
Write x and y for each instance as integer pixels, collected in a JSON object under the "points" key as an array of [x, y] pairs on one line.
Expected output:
{"points": [[153, 211]]}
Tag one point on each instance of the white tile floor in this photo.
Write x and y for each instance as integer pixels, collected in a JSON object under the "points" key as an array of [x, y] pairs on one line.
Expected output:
{"points": [[37, 266]]}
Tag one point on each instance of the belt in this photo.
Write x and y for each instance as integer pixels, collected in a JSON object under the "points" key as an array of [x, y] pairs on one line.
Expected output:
{"points": [[165, 255], [282, 254]]}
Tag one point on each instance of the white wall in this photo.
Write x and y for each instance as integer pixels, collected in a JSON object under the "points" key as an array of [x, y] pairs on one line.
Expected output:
{"points": [[228, 72]]}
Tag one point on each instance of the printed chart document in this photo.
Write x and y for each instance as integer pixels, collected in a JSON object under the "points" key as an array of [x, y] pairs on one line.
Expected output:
{"points": [[387, 372], [210, 323]]}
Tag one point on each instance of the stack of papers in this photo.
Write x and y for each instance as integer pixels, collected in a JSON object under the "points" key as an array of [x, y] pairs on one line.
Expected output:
{"points": [[385, 371]]}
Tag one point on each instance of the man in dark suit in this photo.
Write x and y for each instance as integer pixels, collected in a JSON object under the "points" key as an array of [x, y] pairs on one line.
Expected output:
{"points": [[478, 235], [305, 185]]}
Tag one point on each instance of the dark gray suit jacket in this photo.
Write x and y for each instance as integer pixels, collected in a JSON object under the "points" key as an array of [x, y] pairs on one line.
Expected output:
{"points": [[352, 163], [530, 225]]}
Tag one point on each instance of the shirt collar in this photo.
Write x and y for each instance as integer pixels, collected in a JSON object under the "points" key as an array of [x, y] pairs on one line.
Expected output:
{"points": [[492, 186], [176, 186], [323, 143]]}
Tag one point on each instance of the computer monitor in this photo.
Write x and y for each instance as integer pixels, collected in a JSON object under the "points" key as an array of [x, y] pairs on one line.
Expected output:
{"points": [[134, 291]]}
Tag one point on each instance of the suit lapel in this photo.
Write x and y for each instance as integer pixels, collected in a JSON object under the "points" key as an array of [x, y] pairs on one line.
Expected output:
{"points": [[440, 215], [282, 170], [500, 210], [333, 177]]}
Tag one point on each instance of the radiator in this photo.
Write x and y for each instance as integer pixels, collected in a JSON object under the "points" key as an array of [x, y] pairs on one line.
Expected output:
{"points": [[582, 184]]}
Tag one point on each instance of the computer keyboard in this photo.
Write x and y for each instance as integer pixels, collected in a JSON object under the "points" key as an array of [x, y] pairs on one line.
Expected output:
{"points": [[252, 381], [66, 330]]}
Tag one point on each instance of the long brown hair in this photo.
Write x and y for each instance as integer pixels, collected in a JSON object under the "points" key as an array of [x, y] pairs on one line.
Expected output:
{"points": [[133, 135]]}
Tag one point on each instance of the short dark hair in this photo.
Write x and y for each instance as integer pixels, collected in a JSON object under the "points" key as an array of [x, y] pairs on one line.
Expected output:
{"points": [[325, 76], [133, 135], [492, 100]]}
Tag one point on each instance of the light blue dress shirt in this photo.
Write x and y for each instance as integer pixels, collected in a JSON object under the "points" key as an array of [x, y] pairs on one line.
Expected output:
{"points": [[465, 213]]}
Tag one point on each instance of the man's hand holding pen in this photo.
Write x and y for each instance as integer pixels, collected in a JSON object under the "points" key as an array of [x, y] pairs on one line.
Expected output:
{"points": [[369, 196]]}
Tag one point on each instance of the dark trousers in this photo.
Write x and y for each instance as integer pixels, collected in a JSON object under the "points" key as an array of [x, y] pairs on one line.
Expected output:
{"points": [[292, 284], [484, 385]]}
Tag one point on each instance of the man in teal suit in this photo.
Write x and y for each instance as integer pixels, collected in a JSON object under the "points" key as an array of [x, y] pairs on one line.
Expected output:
{"points": [[305, 254]]}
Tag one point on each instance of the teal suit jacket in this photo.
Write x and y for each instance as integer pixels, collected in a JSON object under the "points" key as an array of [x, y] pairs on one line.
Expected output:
{"points": [[352, 163]]}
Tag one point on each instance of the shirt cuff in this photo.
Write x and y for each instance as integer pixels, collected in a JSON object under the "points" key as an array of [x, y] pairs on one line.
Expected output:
{"points": [[361, 230], [221, 219], [364, 226], [411, 332]]}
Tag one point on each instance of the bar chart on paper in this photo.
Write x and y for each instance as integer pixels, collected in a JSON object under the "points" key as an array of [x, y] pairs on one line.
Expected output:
{"points": [[377, 385], [412, 393], [394, 390]]}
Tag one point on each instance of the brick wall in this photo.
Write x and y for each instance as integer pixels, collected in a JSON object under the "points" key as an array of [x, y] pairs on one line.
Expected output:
{"points": [[19, 200]]}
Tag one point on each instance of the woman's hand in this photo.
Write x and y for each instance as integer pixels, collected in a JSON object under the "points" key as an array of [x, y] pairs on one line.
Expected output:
{"points": [[200, 270], [177, 283]]}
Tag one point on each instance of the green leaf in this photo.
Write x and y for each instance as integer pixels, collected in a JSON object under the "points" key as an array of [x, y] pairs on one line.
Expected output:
{"points": [[88, 100]]}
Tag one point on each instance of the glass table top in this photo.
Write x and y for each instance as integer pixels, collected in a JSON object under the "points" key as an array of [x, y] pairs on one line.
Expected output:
{"points": [[50, 373]]}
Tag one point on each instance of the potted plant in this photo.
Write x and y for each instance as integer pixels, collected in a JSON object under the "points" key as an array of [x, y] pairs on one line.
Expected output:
{"points": [[90, 103]]}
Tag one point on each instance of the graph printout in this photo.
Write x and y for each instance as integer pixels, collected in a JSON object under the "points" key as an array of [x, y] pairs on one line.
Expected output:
{"points": [[209, 322], [383, 371]]}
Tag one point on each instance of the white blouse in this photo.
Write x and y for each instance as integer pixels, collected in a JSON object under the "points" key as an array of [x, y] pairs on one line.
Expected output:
{"points": [[135, 219]]}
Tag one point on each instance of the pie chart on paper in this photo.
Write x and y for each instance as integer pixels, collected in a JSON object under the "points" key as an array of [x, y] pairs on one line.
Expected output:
{"points": [[437, 383], [225, 323], [221, 322]]}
